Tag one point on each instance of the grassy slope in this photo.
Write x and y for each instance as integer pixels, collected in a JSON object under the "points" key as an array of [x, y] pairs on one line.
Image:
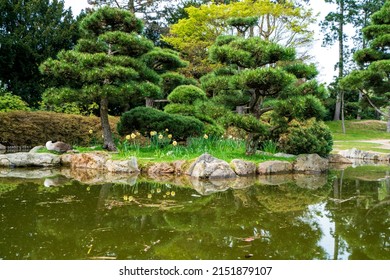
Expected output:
{"points": [[357, 133]]}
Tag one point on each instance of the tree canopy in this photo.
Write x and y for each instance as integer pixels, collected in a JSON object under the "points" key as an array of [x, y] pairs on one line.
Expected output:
{"points": [[264, 77], [373, 81], [30, 32]]}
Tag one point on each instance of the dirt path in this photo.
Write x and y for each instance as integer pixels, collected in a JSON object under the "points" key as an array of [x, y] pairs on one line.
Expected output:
{"points": [[383, 143]]}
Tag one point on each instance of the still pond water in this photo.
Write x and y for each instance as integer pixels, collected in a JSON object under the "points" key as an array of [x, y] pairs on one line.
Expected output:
{"points": [[341, 215]]}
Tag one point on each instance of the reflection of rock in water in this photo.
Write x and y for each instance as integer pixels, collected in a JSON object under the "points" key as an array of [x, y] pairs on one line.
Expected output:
{"points": [[94, 176], [206, 187], [313, 181], [56, 181], [276, 179], [28, 173]]}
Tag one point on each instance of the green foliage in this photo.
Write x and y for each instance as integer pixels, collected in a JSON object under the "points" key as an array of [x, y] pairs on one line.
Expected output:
{"points": [[10, 102], [171, 80], [35, 128], [122, 68], [145, 120], [110, 19], [301, 70], [31, 32], [186, 94], [306, 137], [373, 80]]}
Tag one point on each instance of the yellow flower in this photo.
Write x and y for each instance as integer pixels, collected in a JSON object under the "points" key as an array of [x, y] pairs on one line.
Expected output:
{"points": [[158, 190], [90, 131], [128, 137], [137, 133], [168, 193], [152, 133], [131, 198], [205, 136], [149, 195], [166, 129], [170, 136], [125, 198], [174, 143], [133, 136], [88, 189], [160, 136], [173, 193]]}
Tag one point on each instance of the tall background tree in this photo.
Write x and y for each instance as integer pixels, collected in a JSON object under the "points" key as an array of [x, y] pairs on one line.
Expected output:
{"points": [[373, 80], [355, 14], [30, 32], [282, 23]]}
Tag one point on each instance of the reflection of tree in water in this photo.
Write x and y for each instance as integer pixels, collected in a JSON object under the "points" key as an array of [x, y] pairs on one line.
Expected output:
{"points": [[361, 212], [162, 221]]}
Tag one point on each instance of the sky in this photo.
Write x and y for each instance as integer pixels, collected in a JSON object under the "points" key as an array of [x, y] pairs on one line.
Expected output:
{"points": [[324, 57]]}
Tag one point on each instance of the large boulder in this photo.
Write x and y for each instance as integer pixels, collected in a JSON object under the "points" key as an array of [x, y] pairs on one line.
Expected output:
{"points": [[207, 166], [29, 160], [274, 167], [310, 163], [243, 168]]}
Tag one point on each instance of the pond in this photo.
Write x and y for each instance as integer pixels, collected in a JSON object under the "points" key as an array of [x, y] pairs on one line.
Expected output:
{"points": [[60, 215]]}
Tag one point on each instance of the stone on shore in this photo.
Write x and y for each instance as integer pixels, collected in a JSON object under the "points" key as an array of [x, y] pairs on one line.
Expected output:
{"points": [[29, 160], [365, 155], [274, 167], [123, 166], [310, 163], [243, 168], [209, 167]]}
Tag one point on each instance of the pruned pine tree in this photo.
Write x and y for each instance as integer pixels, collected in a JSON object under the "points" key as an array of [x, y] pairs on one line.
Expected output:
{"points": [[111, 62], [259, 75]]}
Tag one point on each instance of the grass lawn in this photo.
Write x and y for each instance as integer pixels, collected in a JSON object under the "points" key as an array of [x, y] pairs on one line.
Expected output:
{"points": [[359, 135]]}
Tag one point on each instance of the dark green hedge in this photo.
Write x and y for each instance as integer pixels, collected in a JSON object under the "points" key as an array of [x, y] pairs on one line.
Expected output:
{"points": [[145, 120]]}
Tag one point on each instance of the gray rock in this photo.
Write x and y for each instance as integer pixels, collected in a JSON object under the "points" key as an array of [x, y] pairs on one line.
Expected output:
{"points": [[336, 158], [274, 167], [161, 168], [29, 159], [310, 163], [358, 154], [2, 147], [96, 160], [125, 166], [207, 166], [243, 168]]}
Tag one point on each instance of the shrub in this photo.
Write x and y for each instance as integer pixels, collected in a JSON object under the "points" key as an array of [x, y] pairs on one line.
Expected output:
{"points": [[186, 94], [36, 128], [10, 102], [145, 119], [306, 137]]}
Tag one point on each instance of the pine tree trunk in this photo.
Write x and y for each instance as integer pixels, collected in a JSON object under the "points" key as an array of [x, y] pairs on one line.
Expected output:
{"points": [[108, 140], [337, 111], [388, 121], [251, 143]]}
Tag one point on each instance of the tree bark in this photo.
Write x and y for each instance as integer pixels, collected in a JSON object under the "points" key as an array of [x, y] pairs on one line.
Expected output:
{"points": [[339, 97], [251, 143], [108, 140], [388, 121]]}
